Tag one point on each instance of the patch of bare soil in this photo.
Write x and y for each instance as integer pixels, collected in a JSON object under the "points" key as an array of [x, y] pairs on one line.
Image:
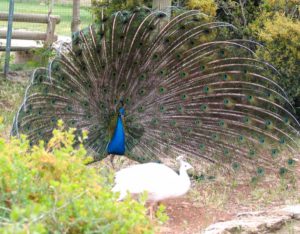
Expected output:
{"points": [[186, 218]]}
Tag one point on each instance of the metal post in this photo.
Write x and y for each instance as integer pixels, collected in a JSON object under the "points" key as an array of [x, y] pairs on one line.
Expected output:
{"points": [[8, 36]]}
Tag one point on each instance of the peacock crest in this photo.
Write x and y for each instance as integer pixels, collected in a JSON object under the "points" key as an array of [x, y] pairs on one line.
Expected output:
{"points": [[186, 87]]}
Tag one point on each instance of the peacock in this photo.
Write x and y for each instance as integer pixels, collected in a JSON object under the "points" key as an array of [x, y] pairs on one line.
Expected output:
{"points": [[151, 85]]}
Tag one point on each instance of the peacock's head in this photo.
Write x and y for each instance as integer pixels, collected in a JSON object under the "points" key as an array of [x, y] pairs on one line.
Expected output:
{"points": [[122, 111]]}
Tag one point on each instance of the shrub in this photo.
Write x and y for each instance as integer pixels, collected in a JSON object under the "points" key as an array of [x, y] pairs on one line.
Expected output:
{"points": [[48, 189], [208, 7], [110, 7], [280, 36]]}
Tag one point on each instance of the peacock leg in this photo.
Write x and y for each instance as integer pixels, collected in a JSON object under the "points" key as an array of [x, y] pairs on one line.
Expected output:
{"points": [[112, 157]]}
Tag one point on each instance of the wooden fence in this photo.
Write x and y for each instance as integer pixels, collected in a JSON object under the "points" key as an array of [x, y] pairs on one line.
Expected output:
{"points": [[48, 37]]}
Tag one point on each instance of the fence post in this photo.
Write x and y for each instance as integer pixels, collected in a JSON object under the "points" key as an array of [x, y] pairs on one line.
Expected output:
{"points": [[8, 36], [161, 4], [50, 38], [75, 16]]}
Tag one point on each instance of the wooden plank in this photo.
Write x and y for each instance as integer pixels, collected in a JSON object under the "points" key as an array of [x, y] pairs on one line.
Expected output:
{"points": [[21, 45], [21, 48], [30, 18], [26, 35]]}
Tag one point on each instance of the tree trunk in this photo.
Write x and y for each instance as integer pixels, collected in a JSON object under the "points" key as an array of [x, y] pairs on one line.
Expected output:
{"points": [[76, 16], [161, 4]]}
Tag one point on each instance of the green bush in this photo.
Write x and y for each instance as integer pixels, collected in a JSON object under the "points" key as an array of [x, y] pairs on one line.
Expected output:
{"points": [[48, 189], [208, 7], [116, 5], [280, 36]]}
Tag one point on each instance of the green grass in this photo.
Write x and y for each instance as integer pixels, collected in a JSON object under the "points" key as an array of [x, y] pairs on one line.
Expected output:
{"points": [[34, 7], [11, 96]]}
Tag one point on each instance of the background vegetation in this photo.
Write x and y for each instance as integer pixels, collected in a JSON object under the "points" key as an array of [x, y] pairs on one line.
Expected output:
{"points": [[273, 23]]}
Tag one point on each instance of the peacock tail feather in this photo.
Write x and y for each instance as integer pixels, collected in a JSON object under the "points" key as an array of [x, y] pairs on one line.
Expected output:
{"points": [[186, 87]]}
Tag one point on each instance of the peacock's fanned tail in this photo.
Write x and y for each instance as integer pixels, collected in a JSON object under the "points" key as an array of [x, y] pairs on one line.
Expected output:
{"points": [[186, 88]]}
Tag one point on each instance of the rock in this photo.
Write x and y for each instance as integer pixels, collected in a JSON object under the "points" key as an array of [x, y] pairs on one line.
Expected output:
{"points": [[268, 221], [293, 211]]}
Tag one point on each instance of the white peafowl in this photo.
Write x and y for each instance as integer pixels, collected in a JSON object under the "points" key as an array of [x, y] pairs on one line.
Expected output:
{"points": [[159, 181]]}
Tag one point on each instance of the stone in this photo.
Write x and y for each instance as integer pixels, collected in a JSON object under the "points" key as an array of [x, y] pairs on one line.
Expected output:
{"points": [[267, 221]]}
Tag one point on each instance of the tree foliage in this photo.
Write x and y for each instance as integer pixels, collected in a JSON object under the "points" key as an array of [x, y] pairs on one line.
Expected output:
{"points": [[281, 37], [288, 8], [208, 7], [117, 5], [238, 12], [278, 28]]}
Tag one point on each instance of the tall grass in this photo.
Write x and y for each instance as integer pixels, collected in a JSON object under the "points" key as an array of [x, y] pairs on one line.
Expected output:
{"points": [[38, 7], [11, 95]]}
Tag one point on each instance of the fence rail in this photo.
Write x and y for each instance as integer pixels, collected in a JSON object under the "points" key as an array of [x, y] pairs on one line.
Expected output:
{"points": [[30, 18], [48, 37]]}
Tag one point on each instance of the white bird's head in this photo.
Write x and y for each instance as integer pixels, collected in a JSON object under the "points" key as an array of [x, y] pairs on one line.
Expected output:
{"points": [[183, 164]]}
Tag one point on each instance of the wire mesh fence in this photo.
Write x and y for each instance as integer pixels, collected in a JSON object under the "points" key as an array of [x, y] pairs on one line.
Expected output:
{"points": [[62, 8]]}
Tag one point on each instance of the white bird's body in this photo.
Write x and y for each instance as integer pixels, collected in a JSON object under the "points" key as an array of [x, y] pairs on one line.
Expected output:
{"points": [[158, 180]]}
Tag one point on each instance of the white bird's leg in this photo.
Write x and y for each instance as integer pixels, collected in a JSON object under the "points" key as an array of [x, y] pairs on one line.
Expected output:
{"points": [[122, 196], [152, 209], [157, 205]]}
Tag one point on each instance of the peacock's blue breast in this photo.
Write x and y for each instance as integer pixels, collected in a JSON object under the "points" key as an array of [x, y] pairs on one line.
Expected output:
{"points": [[117, 143]]}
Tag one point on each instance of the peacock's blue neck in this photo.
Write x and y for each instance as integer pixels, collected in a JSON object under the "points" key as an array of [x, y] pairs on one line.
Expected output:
{"points": [[117, 142]]}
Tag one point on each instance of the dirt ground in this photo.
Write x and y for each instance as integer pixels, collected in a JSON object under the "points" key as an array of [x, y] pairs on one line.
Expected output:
{"points": [[194, 212], [186, 218]]}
